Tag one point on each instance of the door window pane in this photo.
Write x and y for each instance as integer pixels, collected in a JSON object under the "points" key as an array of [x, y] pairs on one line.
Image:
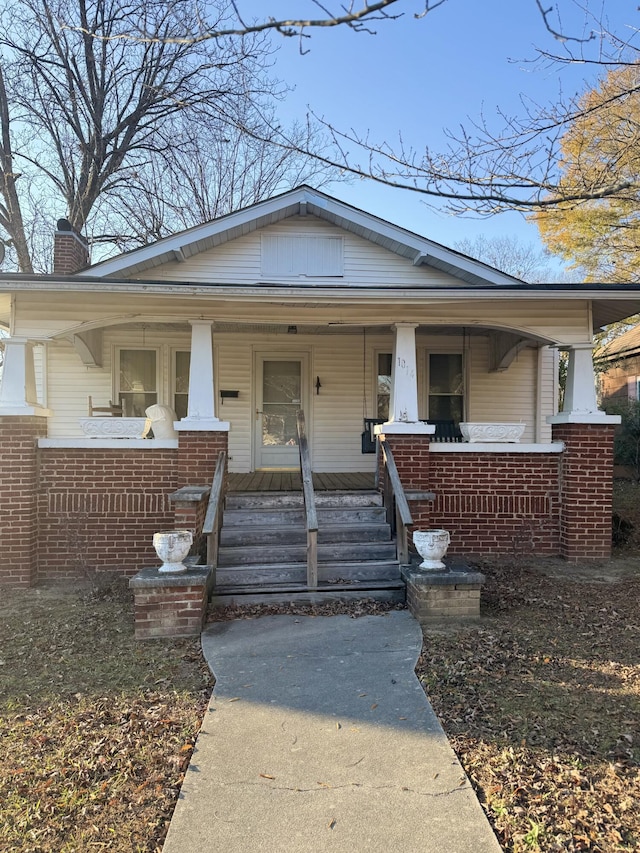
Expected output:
{"points": [[446, 387], [137, 381], [281, 399]]}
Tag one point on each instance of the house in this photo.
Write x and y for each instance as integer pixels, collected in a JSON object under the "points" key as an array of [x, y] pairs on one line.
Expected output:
{"points": [[620, 367], [297, 302]]}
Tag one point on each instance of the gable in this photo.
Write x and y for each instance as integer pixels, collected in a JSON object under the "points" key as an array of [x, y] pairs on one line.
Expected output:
{"points": [[301, 250], [300, 202]]}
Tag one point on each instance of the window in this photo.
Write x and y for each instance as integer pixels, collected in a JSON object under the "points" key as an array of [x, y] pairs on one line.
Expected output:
{"points": [[383, 385], [137, 381], [181, 365], [446, 387]]}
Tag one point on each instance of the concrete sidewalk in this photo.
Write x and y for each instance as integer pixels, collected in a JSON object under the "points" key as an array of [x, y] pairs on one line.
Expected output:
{"points": [[319, 737]]}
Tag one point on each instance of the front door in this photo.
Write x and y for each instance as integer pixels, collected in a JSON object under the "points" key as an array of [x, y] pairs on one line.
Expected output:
{"points": [[281, 384]]}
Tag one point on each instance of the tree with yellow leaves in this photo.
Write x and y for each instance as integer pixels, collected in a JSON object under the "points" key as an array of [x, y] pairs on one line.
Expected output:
{"points": [[602, 145]]}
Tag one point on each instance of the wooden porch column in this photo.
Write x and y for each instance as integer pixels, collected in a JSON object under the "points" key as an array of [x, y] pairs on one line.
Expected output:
{"points": [[201, 409], [580, 390], [18, 386], [403, 403]]}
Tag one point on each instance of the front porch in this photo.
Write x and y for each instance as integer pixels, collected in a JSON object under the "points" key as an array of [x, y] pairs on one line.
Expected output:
{"points": [[291, 481]]}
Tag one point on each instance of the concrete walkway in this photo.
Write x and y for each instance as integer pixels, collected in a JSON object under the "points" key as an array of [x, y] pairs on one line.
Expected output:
{"points": [[319, 737]]}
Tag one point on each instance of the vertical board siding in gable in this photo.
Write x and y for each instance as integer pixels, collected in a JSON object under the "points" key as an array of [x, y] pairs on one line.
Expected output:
{"points": [[301, 255]]}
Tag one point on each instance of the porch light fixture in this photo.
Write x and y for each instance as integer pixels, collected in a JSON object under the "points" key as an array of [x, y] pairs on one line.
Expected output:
{"points": [[318, 385], [292, 330]]}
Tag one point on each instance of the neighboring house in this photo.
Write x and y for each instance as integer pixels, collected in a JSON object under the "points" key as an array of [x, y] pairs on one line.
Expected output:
{"points": [[620, 367], [300, 301]]}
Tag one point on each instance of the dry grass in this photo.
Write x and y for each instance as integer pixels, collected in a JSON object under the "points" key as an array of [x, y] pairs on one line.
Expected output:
{"points": [[96, 730], [541, 701]]}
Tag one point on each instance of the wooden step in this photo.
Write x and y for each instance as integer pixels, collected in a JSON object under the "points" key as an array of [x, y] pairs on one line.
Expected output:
{"points": [[266, 500], [296, 573], [239, 535], [341, 551], [299, 594]]}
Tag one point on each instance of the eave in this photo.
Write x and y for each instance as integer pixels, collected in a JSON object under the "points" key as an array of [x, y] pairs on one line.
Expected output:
{"points": [[610, 302]]}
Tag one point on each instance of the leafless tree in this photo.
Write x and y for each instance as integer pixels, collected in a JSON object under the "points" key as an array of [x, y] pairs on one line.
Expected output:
{"points": [[521, 260], [491, 163], [86, 120]]}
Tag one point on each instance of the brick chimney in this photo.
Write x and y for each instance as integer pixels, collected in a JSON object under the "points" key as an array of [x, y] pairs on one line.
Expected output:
{"points": [[70, 250]]}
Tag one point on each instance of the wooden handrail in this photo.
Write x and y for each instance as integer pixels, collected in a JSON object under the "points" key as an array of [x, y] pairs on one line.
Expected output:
{"points": [[213, 517], [311, 517], [403, 518]]}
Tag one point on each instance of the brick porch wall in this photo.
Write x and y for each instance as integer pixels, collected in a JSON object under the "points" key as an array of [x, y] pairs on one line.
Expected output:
{"points": [[586, 490], [197, 456], [18, 509], [98, 509], [499, 503]]}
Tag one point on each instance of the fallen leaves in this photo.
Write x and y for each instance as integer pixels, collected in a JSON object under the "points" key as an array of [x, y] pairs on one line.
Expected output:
{"points": [[541, 702], [96, 741]]}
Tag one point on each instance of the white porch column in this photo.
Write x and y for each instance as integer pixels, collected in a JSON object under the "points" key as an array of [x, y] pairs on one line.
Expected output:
{"points": [[18, 387], [201, 409], [580, 404], [403, 402]]}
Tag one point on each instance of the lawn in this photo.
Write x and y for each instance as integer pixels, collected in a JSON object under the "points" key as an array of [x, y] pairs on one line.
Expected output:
{"points": [[541, 701], [96, 730]]}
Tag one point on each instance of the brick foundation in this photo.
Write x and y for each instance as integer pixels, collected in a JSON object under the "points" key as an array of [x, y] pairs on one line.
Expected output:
{"points": [[170, 605], [586, 490], [18, 506]]}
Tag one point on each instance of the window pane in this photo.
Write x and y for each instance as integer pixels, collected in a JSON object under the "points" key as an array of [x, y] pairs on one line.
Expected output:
{"points": [[181, 384], [183, 360], [383, 384], [281, 395], [445, 373], [137, 370], [445, 407], [137, 382]]}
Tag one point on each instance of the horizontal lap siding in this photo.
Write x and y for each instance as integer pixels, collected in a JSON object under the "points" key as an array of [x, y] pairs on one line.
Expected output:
{"points": [[507, 395]]}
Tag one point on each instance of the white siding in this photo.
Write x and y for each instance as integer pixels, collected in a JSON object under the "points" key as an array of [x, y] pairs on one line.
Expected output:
{"points": [[334, 416], [503, 396], [240, 260]]}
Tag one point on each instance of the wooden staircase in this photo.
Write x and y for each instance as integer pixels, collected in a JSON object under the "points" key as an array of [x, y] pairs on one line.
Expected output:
{"points": [[262, 554]]}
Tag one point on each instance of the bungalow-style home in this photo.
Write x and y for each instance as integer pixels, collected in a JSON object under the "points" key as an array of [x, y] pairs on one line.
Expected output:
{"points": [[124, 380], [620, 367]]}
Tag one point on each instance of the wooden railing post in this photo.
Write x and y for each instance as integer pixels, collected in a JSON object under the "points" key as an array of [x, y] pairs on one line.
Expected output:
{"points": [[309, 503], [213, 518]]}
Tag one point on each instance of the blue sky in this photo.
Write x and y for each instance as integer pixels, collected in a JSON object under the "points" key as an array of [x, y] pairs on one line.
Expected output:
{"points": [[416, 77]]}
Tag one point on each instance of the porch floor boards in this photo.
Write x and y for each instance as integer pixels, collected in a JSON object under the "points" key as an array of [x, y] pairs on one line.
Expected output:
{"points": [[289, 481]]}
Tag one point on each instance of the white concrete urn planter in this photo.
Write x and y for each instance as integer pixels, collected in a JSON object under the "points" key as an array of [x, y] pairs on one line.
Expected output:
{"points": [[492, 432], [432, 546], [172, 546]]}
